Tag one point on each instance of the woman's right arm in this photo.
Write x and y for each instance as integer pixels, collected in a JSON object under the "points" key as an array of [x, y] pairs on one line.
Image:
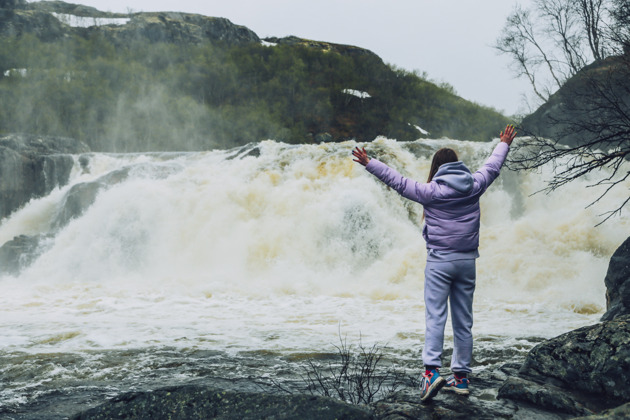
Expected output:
{"points": [[406, 187]]}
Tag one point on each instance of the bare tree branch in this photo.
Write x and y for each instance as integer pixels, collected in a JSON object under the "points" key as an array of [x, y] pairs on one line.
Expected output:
{"points": [[554, 39], [590, 132]]}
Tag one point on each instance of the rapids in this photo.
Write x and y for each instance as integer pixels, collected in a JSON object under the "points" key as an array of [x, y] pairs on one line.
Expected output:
{"points": [[281, 248]]}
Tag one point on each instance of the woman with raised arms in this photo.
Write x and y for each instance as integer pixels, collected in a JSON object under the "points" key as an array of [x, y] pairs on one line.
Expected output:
{"points": [[450, 198]]}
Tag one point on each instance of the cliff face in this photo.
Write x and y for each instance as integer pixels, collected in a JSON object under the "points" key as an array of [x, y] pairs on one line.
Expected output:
{"points": [[585, 106], [32, 166], [51, 20], [322, 46]]}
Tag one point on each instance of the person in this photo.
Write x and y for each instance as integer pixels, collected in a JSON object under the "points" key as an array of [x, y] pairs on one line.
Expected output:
{"points": [[450, 198]]}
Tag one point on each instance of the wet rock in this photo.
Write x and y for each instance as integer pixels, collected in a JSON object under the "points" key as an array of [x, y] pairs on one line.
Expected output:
{"points": [[618, 283], [20, 252], [82, 195], [580, 103], [482, 403], [323, 138], [545, 396], [250, 149], [32, 166], [619, 413], [199, 402], [593, 359]]}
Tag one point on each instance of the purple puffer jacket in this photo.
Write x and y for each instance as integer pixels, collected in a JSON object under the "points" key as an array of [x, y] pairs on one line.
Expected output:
{"points": [[450, 200]]}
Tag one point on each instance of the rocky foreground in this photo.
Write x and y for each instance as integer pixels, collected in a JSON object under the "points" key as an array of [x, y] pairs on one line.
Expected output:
{"points": [[502, 393]]}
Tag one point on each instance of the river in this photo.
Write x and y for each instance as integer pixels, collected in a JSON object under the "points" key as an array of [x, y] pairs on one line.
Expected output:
{"points": [[241, 264]]}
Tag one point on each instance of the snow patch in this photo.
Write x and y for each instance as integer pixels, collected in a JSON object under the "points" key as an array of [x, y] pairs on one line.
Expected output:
{"points": [[420, 129], [15, 72], [268, 44], [86, 22], [357, 93]]}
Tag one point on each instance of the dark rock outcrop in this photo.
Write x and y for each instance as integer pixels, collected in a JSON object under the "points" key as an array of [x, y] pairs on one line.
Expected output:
{"points": [[619, 413], [618, 283], [19, 253], [12, 4], [407, 405], [593, 359], [321, 45], [32, 166], [545, 396], [580, 111], [71, 9], [37, 18], [18, 22], [184, 28], [82, 195], [22, 250], [199, 402]]}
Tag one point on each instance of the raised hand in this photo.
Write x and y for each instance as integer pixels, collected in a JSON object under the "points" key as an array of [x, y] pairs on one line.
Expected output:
{"points": [[508, 135], [361, 156]]}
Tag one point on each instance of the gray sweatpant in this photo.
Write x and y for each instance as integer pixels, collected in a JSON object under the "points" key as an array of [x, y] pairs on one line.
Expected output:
{"points": [[454, 281]]}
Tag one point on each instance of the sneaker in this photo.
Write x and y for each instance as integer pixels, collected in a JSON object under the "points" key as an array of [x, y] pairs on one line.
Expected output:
{"points": [[459, 385], [431, 383]]}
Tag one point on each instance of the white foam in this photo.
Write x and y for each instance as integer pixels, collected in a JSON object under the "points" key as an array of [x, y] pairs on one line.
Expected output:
{"points": [[281, 250]]}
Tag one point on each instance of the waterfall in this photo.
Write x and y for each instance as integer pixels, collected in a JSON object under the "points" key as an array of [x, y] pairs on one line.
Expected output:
{"points": [[276, 246]]}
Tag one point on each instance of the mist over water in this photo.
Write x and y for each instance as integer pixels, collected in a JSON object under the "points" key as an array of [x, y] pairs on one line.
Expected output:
{"points": [[279, 248]]}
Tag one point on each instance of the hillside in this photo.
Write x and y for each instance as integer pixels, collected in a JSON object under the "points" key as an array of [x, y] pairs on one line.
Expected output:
{"points": [[588, 108], [176, 81]]}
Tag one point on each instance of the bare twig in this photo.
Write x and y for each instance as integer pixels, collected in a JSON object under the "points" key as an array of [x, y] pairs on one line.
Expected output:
{"points": [[357, 377]]}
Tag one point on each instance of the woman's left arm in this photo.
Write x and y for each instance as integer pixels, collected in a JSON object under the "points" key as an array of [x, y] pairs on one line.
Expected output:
{"points": [[491, 169]]}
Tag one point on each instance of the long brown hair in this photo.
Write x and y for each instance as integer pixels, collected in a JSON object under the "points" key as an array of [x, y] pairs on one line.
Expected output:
{"points": [[442, 156]]}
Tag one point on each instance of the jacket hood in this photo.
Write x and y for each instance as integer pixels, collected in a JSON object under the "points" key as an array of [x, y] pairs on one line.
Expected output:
{"points": [[456, 175]]}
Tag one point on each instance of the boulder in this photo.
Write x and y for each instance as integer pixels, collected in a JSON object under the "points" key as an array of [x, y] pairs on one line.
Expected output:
{"points": [[174, 27], [323, 138], [594, 360], [544, 396], [580, 111], [20, 252], [82, 195], [32, 166], [618, 283], [18, 22], [620, 413], [12, 4], [200, 402], [37, 18]]}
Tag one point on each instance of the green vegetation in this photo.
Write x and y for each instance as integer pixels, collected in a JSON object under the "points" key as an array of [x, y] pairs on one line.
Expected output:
{"points": [[166, 96]]}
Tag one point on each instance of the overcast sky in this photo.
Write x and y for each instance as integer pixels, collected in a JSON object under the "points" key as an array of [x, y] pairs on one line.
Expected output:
{"points": [[451, 40]]}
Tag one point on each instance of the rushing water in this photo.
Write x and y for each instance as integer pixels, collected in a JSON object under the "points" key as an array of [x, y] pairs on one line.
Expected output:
{"points": [[196, 260]]}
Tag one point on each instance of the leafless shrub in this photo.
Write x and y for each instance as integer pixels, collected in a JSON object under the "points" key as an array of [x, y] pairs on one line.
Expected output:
{"points": [[358, 376]]}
